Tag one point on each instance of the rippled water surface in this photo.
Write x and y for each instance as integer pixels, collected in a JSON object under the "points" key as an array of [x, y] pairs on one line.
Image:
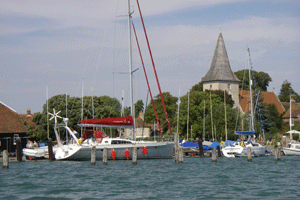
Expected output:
{"points": [[196, 178]]}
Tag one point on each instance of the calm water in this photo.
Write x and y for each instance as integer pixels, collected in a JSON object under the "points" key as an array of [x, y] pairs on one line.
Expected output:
{"points": [[196, 178]]}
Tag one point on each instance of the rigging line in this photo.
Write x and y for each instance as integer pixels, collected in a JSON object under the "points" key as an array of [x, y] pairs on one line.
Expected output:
{"points": [[157, 81], [149, 90]]}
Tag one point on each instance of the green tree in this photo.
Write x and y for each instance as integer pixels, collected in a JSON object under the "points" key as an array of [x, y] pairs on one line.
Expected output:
{"points": [[198, 87], [171, 108], [215, 124], [139, 106], [262, 79], [104, 107], [286, 91]]}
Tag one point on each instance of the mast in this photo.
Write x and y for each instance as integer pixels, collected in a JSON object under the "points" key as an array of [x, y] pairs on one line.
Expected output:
{"points": [[225, 116], [187, 120], [47, 112], [203, 135], [130, 70], [291, 118], [82, 105], [250, 95], [211, 119], [178, 110]]}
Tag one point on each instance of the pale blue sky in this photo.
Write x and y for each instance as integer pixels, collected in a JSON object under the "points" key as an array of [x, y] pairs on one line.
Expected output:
{"points": [[59, 44]]}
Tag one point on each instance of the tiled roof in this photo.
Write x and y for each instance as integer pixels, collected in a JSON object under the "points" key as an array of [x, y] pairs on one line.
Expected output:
{"points": [[220, 69], [10, 121], [28, 118], [268, 98], [295, 112]]}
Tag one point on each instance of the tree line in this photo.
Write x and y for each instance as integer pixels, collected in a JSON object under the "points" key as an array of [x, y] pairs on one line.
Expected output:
{"points": [[206, 111]]}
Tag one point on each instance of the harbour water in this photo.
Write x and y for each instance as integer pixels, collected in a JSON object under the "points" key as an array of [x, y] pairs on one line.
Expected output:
{"points": [[196, 178]]}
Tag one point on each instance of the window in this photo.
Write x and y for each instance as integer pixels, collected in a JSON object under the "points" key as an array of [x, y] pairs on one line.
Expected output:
{"points": [[228, 86], [210, 86]]}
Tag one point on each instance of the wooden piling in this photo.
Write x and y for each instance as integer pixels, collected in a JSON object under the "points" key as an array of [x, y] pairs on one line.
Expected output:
{"points": [[214, 155], [19, 150], [201, 152], [176, 147], [93, 155], [219, 151], [276, 153], [134, 156], [249, 154], [180, 155], [5, 160], [105, 156], [279, 154], [50, 150]]}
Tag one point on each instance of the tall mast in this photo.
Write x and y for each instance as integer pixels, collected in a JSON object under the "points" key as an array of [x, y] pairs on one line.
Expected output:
{"points": [[178, 110], [250, 95], [291, 118], [47, 113], [130, 70], [187, 120]]}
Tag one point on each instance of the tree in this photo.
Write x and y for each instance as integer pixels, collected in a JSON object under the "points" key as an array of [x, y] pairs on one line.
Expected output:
{"points": [[171, 107], [261, 79], [286, 91], [139, 106], [104, 107], [198, 87]]}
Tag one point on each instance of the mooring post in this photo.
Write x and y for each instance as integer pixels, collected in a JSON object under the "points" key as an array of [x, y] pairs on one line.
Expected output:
{"points": [[180, 155], [5, 160], [105, 156], [176, 146], [279, 154], [219, 151], [201, 152], [93, 155], [50, 150], [276, 153], [214, 155], [19, 150], [134, 156], [249, 154]]}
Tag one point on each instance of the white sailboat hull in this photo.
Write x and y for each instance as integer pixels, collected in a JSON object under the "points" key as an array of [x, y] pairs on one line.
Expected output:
{"points": [[155, 150]]}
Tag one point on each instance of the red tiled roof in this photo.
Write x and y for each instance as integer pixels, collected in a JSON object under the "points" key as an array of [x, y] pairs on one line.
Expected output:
{"points": [[268, 98], [295, 112], [10, 121]]}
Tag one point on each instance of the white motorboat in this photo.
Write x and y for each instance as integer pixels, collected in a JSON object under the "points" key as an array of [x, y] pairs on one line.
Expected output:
{"points": [[240, 149], [35, 152], [292, 149]]}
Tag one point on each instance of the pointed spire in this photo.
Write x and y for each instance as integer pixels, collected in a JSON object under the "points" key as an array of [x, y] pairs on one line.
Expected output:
{"points": [[220, 69]]}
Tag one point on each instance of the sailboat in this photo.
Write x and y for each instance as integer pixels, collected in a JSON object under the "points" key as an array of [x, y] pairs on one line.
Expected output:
{"points": [[241, 147], [292, 149], [118, 148]]}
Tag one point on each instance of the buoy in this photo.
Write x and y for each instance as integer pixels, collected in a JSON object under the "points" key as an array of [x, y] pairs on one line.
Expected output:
{"points": [[145, 151], [113, 154], [222, 144], [127, 154]]}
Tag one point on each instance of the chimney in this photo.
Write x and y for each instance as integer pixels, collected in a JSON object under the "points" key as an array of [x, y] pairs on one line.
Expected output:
{"points": [[28, 111], [141, 115]]}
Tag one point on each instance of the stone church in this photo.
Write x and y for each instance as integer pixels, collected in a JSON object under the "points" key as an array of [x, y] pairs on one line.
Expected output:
{"points": [[220, 75]]}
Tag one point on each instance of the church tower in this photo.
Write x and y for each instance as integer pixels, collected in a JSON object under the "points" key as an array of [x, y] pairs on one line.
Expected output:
{"points": [[220, 75]]}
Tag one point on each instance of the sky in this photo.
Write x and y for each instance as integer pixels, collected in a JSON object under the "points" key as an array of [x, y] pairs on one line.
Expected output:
{"points": [[75, 46]]}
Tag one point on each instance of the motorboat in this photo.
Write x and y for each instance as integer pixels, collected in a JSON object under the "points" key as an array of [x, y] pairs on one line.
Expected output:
{"points": [[238, 148], [292, 149]]}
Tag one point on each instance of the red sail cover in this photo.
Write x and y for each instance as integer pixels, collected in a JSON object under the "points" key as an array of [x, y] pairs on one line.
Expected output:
{"points": [[115, 121]]}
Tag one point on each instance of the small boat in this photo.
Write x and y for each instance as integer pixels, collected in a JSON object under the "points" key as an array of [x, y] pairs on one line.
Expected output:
{"points": [[292, 149], [241, 149], [35, 152]]}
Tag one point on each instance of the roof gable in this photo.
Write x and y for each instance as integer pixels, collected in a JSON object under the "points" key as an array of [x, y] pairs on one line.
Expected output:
{"points": [[10, 121], [268, 98]]}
